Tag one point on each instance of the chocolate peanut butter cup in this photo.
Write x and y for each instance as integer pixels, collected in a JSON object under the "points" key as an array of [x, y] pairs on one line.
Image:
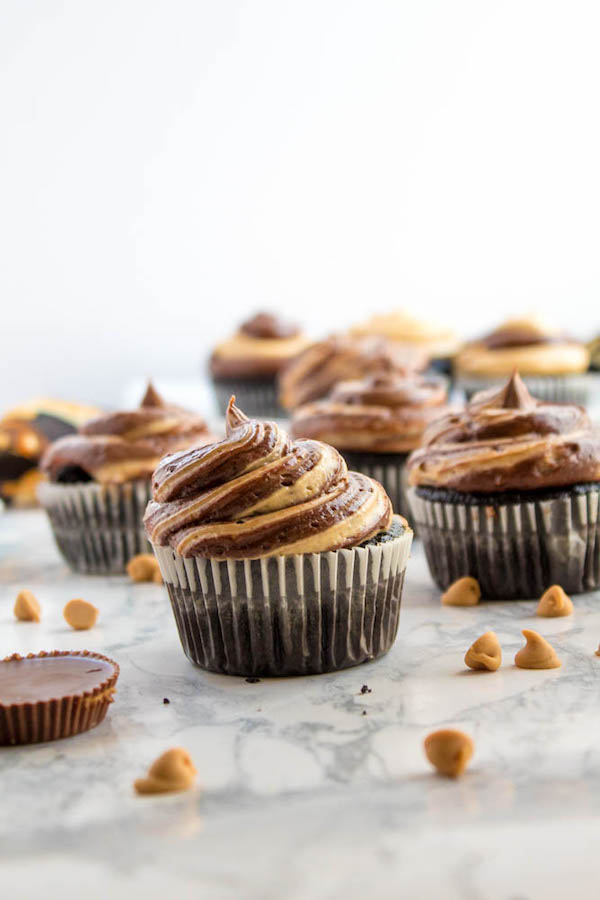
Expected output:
{"points": [[46, 696]]}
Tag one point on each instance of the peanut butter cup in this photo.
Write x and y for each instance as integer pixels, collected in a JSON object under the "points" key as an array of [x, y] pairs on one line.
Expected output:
{"points": [[46, 696]]}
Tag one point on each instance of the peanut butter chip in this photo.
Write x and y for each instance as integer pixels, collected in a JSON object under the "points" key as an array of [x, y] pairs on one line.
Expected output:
{"points": [[485, 653], [554, 602], [80, 614], [173, 771], [464, 592], [537, 653], [144, 567], [449, 751], [27, 608]]}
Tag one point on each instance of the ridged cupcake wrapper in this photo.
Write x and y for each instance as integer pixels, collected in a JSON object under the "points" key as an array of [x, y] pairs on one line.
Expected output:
{"points": [[515, 550], [292, 615], [50, 720], [583, 389], [389, 470], [257, 397], [97, 528]]}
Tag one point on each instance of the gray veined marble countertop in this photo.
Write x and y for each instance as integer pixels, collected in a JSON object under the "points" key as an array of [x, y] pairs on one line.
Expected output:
{"points": [[301, 795]]}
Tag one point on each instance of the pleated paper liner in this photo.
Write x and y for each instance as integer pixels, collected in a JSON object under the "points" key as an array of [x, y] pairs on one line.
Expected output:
{"points": [[257, 397], [389, 469], [97, 528], [516, 546], [583, 389], [289, 615], [59, 717]]}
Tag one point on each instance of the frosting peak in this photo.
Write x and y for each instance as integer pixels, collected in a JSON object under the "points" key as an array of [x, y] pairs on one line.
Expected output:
{"points": [[151, 397], [267, 326], [513, 395], [258, 493]]}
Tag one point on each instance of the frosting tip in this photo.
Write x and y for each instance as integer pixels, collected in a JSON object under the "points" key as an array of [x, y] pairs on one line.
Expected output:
{"points": [[151, 397]]}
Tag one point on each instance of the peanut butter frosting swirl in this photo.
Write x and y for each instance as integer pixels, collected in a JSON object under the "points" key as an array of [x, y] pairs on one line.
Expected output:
{"points": [[258, 493], [507, 440], [125, 446], [314, 372], [260, 348], [384, 413]]}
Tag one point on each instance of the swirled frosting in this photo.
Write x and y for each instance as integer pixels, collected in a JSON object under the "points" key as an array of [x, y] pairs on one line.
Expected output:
{"points": [[313, 373], [381, 414], [436, 339], [125, 446], [258, 493], [529, 345], [507, 440], [261, 347]]}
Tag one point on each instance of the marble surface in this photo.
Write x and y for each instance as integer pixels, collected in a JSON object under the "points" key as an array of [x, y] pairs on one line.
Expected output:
{"points": [[300, 794]]}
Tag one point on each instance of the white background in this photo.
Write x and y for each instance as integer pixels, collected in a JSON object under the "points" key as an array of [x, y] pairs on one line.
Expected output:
{"points": [[167, 167]]}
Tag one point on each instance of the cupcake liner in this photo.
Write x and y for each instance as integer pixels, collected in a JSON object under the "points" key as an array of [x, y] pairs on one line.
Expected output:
{"points": [[288, 615], [62, 717], [389, 469], [97, 528], [583, 389], [257, 397], [515, 549]]}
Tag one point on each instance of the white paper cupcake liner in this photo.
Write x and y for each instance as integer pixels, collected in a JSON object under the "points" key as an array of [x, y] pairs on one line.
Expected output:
{"points": [[389, 469], [257, 397], [288, 615], [97, 528], [583, 389], [515, 549]]}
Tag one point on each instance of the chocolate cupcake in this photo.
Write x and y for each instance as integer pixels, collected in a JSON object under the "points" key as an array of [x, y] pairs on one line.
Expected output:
{"points": [[278, 560], [248, 364], [315, 371], [99, 480], [437, 341], [552, 365], [508, 491], [375, 423]]}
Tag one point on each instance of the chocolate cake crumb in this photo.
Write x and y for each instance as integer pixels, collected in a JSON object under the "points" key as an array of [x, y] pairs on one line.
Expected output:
{"points": [[166, 700], [252, 679], [365, 689]]}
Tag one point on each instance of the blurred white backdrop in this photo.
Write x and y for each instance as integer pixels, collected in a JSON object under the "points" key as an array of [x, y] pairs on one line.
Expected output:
{"points": [[167, 166]]}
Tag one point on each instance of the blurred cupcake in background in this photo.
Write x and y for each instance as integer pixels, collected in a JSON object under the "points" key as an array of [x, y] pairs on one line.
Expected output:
{"points": [[508, 491], [99, 480], [375, 423], [25, 433], [552, 365], [248, 363], [317, 369], [277, 559], [437, 341], [594, 351]]}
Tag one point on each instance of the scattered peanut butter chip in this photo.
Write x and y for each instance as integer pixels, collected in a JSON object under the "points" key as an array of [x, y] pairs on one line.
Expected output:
{"points": [[173, 771], [485, 653], [554, 602], [537, 653], [27, 608], [80, 614], [144, 567], [449, 751], [464, 592]]}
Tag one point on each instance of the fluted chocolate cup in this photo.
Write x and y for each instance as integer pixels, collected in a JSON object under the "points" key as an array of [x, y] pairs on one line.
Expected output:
{"points": [[289, 615], [258, 396]]}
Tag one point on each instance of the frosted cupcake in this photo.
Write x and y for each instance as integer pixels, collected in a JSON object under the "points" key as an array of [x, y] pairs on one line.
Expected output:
{"points": [[99, 480], [248, 363], [314, 372], [375, 423], [278, 560], [436, 340], [508, 491], [552, 365]]}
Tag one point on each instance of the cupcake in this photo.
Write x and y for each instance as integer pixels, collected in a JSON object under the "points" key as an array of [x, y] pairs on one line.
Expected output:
{"points": [[552, 365], [375, 423], [248, 364], [508, 491], [99, 480], [315, 371], [437, 341], [277, 559], [594, 351]]}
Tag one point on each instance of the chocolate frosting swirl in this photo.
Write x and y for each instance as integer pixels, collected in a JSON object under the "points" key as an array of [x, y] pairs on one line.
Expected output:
{"points": [[507, 440], [125, 446], [383, 413], [258, 493], [267, 326], [315, 371]]}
